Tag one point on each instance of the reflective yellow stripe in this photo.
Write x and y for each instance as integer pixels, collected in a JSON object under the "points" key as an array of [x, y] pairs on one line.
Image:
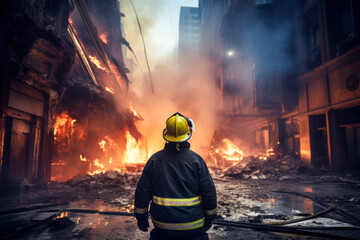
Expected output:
{"points": [[140, 210], [211, 212], [177, 202], [179, 226]]}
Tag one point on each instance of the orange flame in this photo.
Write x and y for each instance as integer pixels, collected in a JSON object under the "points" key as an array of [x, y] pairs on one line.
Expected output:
{"points": [[83, 158], [62, 215], [134, 151], [104, 37], [97, 63], [109, 90], [231, 151], [134, 111]]}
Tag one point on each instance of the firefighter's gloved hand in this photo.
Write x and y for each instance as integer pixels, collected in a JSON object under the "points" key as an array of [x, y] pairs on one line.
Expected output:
{"points": [[207, 224], [143, 224]]}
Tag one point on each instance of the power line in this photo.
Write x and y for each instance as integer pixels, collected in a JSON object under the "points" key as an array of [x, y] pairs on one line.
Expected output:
{"points": [[143, 41]]}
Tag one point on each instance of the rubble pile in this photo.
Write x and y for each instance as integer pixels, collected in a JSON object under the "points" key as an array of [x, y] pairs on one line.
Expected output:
{"points": [[274, 168], [106, 179]]}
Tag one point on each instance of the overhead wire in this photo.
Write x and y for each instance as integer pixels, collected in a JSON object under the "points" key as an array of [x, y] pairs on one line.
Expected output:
{"points": [[145, 52]]}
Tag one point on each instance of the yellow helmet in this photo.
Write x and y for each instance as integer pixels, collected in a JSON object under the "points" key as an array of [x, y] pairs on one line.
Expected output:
{"points": [[178, 128]]}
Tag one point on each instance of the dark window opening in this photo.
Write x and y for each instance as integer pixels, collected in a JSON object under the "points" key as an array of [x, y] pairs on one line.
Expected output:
{"points": [[312, 39], [319, 141], [353, 146], [345, 22], [343, 26]]}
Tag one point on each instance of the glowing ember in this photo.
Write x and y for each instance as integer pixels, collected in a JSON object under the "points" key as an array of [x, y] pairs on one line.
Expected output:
{"points": [[134, 111], [70, 21], [82, 158], [102, 145], [97, 63], [104, 37], [62, 215], [109, 90], [96, 163]]}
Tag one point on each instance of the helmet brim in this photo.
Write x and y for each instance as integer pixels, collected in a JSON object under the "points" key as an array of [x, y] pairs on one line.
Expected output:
{"points": [[181, 138]]}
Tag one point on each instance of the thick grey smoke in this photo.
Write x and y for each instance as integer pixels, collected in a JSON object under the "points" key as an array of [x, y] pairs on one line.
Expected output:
{"points": [[189, 91]]}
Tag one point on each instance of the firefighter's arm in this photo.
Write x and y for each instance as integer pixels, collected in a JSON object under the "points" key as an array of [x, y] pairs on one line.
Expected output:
{"points": [[143, 194], [207, 191]]}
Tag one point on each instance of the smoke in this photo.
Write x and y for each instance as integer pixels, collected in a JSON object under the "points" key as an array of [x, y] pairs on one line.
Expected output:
{"points": [[191, 93], [177, 89]]}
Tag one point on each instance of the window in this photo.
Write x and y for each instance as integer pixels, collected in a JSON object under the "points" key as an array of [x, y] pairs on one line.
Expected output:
{"points": [[315, 37], [312, 38], [343, 26], [194, 10], [194, 18], [345, 22]]}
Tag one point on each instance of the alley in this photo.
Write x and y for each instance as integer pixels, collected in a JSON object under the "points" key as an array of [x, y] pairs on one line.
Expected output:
{"points": [[265, 94]]}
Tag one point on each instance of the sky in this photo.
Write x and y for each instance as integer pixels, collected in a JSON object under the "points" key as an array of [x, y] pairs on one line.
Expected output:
{"points": [[167, 26], [160, 23]]}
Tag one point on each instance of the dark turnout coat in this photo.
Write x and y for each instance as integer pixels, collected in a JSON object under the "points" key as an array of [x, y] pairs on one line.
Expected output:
{"points": [[181, 191]]}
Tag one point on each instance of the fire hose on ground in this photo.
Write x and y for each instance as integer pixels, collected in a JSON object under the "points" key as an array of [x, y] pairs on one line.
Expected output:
{"points": [[298, 230]]}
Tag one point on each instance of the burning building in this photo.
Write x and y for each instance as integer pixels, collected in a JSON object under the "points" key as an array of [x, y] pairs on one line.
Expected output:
{"points": [[63, 86], [287, 73]]}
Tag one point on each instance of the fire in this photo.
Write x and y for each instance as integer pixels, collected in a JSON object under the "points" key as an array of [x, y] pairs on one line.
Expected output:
{"points": [[97, 63], [109, 90], [102, 144], [230, 151], [134, 112], [103, 36], [96, 163], [71, 21], [62, 215], [83, 158], [134, 151], [63, 121], [120, 151]]}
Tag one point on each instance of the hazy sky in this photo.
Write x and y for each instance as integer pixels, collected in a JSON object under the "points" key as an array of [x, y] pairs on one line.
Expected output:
{"points": [[165, 32], [160, 23]]}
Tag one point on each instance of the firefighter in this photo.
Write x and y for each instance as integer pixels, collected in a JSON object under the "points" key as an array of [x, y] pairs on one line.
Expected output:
{"points": [[178, 184]]}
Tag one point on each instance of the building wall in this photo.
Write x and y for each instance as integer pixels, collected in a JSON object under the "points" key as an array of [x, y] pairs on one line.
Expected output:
{"points": [[189, 28], [328, 46], [317, 95], [188, 40], [37, 58]]}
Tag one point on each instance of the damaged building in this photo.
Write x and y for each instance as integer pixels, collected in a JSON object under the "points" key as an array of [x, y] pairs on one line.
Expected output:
{"points": [[287, 74], [62, 66]]}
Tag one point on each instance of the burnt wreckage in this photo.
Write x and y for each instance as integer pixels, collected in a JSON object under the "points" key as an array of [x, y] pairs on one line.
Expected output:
{"points": [[60, 58]]}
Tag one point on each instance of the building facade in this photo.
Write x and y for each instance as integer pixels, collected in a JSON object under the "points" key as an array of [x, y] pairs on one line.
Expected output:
{"points": [[48, 70], [288, 73], [188, 37]]}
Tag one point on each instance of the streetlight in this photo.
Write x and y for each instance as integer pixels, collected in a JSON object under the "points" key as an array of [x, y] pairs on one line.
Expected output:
{"points": [[230, 53]]}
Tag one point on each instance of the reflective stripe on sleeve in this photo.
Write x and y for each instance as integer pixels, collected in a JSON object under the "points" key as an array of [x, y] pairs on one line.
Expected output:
{"points": [[179, 226], [211, 212], [140, 210], [176, 202]]}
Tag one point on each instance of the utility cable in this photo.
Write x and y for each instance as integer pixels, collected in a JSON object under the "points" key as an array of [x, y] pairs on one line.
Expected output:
{"points": [[351, 219], [143, 41], [259, 227], [282, 229], [127, 44]]}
